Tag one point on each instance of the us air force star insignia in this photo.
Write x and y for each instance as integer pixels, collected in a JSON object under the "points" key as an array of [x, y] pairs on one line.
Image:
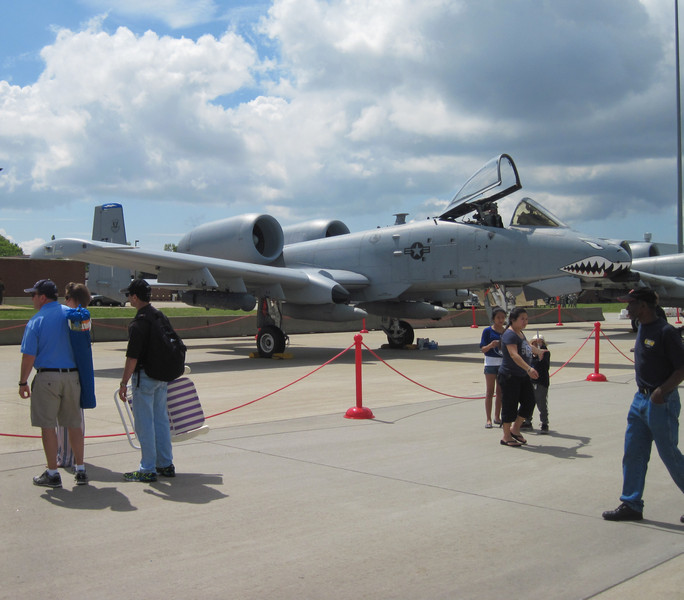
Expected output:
{"points": [[417, 251]]}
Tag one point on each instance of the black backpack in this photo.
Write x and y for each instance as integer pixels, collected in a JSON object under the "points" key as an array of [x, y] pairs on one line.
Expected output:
{"points": [[165, 356]]}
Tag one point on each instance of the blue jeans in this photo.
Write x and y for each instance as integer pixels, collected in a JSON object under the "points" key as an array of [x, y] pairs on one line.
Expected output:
{"points": [[646, 423], [151, 422]]}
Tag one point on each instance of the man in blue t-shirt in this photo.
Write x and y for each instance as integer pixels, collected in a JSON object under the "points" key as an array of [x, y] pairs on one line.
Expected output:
{"points": [[654, 413], [55, 391]]}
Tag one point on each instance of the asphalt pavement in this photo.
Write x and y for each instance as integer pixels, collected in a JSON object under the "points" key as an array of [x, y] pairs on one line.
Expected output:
{"points": [[283, 497]]}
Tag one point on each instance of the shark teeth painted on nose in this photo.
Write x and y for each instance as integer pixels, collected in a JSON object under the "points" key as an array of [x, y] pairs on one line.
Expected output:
{"points": [[595, 267]]}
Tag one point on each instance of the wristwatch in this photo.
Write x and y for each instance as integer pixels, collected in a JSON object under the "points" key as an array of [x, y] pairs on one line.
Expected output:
{"points": [[23, 383]]}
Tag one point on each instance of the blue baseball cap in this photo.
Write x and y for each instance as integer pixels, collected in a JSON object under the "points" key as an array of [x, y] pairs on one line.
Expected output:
{"points": [[46, 287]]}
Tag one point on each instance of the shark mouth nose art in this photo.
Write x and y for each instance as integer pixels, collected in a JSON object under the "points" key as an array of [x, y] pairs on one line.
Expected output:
{"points": [[595, 267]]}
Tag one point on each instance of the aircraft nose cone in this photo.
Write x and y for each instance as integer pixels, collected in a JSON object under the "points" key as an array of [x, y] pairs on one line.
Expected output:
{"points": [[612, 261]]}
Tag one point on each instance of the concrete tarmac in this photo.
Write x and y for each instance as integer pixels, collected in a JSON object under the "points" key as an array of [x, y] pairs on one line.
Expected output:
{"points": [[285, 498]]}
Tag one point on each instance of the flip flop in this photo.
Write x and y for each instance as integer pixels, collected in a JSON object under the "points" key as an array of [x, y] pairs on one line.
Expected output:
{"points": [[511, 443], [519, 438], [488, 425]]}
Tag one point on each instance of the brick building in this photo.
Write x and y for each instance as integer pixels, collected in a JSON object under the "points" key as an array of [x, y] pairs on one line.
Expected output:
{"points": [[21, 272]]}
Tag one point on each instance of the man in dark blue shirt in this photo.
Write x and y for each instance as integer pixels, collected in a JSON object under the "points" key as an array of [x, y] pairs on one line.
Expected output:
{"points": [[654, 413]]}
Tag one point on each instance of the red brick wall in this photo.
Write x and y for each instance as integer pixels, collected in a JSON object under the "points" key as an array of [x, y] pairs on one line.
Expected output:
{"points": [[19, 273]]}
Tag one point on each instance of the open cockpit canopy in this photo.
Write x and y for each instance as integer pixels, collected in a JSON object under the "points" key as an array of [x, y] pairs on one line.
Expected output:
{"points": [[495, 180]]}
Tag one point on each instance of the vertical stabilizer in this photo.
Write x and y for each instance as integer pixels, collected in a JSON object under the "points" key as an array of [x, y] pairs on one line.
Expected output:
{"points": [[108, 226]]}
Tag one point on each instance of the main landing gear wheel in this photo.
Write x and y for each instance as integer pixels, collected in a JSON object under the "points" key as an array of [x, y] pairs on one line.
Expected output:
{"points": [[270, 341], [399, 334]]}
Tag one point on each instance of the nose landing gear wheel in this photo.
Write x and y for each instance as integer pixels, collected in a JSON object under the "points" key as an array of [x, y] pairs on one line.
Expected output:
{"points": [[270, 341], [399, 334]]}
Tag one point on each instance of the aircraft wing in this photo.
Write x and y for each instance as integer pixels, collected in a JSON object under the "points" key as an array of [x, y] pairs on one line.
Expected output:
{"points": [[669, 289], [179, 270]]}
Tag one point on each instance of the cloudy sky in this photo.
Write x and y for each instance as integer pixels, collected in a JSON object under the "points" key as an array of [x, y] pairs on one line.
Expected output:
{"points": [[186, 111]]}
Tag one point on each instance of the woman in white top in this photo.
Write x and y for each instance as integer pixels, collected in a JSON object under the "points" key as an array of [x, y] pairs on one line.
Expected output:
{"points": [[490, 344]]}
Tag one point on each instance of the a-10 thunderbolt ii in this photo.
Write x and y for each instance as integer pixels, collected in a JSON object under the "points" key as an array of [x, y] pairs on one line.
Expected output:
{"points": [[319, 270]]}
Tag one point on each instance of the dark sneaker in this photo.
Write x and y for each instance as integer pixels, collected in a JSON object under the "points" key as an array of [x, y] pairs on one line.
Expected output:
{"points": [[140, 476], [81, 478], [527, 424], [47, 480], [623, 513], [545, 428], [169, 471]]}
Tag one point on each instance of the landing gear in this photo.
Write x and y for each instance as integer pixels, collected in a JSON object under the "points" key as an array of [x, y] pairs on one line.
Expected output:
{"points": [[270, 340], [399, 333]]}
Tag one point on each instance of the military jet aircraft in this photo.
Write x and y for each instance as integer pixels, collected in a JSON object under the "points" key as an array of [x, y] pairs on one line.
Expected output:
{"points": [[319, 270], [663, 274]]}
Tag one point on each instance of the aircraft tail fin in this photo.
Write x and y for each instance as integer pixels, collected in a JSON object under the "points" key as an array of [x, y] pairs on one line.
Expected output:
{"points": [[108, 226]]}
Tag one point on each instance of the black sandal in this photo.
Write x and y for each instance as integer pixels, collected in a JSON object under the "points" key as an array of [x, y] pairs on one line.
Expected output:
{"points": [[519, 438]]}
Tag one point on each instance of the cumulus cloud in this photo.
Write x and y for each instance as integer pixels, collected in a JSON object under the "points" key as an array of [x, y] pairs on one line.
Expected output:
{"points": [[378, 107]]}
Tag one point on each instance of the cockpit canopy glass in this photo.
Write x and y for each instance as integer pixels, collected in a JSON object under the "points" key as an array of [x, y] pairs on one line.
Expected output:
{"points": [[530, 214], [496, 179]]}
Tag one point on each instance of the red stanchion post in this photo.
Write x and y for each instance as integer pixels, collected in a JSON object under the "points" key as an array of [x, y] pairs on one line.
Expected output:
{"points": [[596, 376], [359, 411], [363, 327], [560, 321], [474, 325], [678, 321]]}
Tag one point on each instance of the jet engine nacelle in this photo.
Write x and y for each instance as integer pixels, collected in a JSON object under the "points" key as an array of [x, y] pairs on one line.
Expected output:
{"points": [[248, 238], [313, 230], [640, 249]]}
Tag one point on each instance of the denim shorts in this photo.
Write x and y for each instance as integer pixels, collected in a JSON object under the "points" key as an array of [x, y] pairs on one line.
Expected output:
{"points": [[491, 370]]}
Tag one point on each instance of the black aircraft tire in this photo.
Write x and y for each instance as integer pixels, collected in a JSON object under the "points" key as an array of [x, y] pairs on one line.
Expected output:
{"points": [[402, 337], [270, 341]]}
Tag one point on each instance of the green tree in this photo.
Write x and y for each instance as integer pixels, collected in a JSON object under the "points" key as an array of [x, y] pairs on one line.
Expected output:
{"points": [[7, 248], [170, 247]]}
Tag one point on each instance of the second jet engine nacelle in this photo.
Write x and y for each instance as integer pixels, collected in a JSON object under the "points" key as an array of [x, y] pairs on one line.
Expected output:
{"points": [[640, 249], [248, 238], [313, 230]]}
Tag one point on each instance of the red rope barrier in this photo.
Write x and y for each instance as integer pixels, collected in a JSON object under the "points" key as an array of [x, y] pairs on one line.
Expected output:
{"points": [[567, 362], [420, 384], [596, 376], [13, 327], [618, 349], [284, 387], [358, 344]]}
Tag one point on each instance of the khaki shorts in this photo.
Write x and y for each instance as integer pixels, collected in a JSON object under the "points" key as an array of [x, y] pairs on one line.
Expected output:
{"points": [[56, 398]]}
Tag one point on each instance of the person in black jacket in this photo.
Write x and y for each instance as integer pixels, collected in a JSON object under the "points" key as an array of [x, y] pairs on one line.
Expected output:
{"points": [[541, 386], [149, 395]]}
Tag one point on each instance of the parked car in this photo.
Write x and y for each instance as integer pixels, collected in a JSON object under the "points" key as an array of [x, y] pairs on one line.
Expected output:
{"points": [[98, 300]]}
